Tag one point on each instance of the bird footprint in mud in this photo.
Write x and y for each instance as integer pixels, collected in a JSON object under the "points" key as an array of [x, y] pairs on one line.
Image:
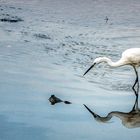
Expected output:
{"points": [[53, 100]]}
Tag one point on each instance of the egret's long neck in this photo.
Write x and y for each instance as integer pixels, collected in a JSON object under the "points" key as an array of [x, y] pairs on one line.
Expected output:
{"points": [[120, 115], [111, 63], [103, 119]]}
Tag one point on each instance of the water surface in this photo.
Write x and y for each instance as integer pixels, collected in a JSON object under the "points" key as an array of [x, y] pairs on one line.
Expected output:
{"points": [[47, 53]]}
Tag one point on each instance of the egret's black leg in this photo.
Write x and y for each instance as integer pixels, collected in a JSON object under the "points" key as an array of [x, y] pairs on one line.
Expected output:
{"points": [[136, 81], [136, 101]]}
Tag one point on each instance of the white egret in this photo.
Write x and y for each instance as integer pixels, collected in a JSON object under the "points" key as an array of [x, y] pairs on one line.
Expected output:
{"points": [[129, 57]]}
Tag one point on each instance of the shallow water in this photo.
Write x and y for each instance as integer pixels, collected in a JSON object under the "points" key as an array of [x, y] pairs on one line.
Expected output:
{"points": [[47, 53]]}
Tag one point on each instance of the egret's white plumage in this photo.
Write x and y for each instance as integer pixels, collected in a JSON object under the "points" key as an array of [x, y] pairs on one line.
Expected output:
{"points": [[129, 57]]}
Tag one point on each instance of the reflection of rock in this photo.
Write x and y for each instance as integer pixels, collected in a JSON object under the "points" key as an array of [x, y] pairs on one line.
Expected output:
{"points": [[129, 119]]}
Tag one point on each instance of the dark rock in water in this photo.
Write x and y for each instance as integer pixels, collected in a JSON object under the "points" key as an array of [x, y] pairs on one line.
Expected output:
{"points": [[42, 36], [19, 8], [53, 99], [11, 20], [11, 7]]}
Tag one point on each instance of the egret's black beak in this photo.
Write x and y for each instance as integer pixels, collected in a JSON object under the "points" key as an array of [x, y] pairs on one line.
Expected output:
{"points": [[89, 69], [94, 115]]}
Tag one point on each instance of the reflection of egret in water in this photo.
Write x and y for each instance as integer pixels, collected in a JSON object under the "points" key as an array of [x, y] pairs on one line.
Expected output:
{"points": [[129, 120]]}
